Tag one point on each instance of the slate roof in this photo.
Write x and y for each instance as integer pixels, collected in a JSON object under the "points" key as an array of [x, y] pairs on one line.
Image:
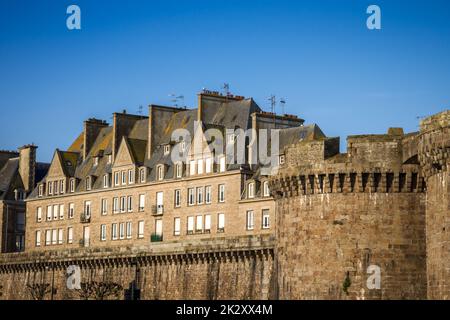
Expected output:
{"points": [[217, 114]]}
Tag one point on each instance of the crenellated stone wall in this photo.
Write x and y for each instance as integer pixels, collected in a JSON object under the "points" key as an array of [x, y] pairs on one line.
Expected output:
{"points": [[227, 268]]}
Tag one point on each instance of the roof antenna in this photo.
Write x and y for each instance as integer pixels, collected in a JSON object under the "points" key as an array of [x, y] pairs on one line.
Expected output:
{"points": [[226, 89], [140, 109], [282, 105], [176, 99]]}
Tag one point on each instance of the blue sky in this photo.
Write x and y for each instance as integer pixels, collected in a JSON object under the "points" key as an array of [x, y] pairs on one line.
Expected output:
{"points": [[318, 55]]}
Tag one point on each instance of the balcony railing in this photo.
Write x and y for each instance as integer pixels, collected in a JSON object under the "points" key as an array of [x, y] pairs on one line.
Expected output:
{"points": [[85, 218], [157, 209], [156, 237]]}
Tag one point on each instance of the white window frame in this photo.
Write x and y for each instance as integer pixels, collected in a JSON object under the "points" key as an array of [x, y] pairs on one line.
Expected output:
{"points": [[114, 231], [122, 230], [130, 176], [54, 236], [222, 164], [221, 222], [250, 220], [39, 214], [88, 183], [200, 166], [117, 178], [60, 236], [221, 193], [265, 219], [87, 209], [38, 238], [160, 172], [62, 186], [123, 204], [142, 202], [208, 165], [130, 204], [190, 224], [69, 235], [124, 177], [266, 190], [104, 206], [116, 205], [72, 185], [251, 190], [103, 232], [200, 195], [191, 196], [41, 190], [166, 149], [61, 212], [142, 175], [49, 215], [199, 224], [192, 168], [106, 181], [177, 198], [177, 226], [141, 226], [48, 237], [55, 211], [208, 194], [207, 226], [71, 210], [129, 230], [179, 170]]}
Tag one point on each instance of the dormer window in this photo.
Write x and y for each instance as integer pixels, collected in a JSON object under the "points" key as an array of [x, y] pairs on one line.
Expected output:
{"points": [[19, 195], [160, 172], [179, 170], [281, 159], [72, 185], [88, 183], [266, 191], [109, 158], [251, 190], [166, 149], [50, 188], [56, 187], [95, 161], [142, 175], [41, 190], [116, 178], [106, 181]]}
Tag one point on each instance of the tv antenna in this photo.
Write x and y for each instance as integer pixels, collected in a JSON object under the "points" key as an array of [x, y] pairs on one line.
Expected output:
{"points": [[282, 105], [140, 109], [226, 89], [176, 99]]}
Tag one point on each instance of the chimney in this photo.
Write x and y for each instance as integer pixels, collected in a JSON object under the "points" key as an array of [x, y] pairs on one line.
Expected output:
{"points": [[91, 131], [159, 118], [27, 166], [123, 123]]}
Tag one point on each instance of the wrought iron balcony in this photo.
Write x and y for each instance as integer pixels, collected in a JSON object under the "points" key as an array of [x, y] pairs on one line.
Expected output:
{"points": [[85, 218], [157, 209], [156, 237]]}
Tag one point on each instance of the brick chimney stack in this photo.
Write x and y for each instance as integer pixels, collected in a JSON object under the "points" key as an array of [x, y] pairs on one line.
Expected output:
{"points": [[27, 166], [92, 128]]}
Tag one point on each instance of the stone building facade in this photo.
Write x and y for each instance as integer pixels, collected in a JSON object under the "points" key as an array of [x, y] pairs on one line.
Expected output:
{"points": [[116, 205], [382, 208]]}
